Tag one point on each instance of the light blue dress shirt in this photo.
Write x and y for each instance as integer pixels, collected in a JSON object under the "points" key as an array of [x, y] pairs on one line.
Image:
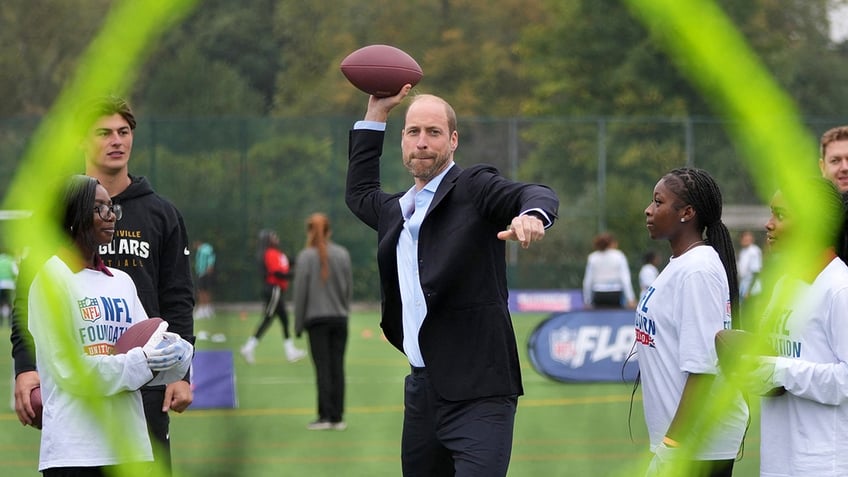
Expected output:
{"points": [[414, 205]]}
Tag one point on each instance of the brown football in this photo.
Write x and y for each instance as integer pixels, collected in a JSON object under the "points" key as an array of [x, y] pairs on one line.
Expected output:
{"points": [[37, 406], [137, 335], [381, 70]]}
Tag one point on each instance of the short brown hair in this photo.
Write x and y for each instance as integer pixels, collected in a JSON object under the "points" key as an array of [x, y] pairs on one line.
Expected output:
{"points": [[839, 133], [106, 106], [603, 241]]}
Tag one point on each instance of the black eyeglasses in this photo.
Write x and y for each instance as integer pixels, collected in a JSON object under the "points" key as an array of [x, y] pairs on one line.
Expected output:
{"points": [[103, 211]]}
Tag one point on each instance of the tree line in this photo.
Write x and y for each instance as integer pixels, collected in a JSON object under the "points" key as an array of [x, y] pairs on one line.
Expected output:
{"points": [[563, 69]]}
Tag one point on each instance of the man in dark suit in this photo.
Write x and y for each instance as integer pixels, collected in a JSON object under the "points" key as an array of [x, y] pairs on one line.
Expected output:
{"points": [[441, 255]]}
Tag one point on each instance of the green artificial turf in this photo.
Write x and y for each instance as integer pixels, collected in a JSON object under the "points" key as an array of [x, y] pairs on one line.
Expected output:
{"points": [[561, 429]]}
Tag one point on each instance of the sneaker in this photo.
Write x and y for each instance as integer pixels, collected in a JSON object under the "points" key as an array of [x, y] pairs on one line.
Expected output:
{"points": [[338, 426], [202, 335], [319, 425], [247, 352], [295, 355]]}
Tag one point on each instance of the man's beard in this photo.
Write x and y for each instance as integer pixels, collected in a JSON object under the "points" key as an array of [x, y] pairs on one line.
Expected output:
{"points": [[419, 171]]}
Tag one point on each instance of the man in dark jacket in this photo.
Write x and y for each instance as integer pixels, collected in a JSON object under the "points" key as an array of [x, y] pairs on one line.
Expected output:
{"points": [[441, 255], [150, 244]]}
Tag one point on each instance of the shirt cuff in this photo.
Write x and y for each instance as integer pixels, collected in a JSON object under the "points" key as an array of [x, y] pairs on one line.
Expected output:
{"points": [[373, 125], [540, 214], [781, 366]]}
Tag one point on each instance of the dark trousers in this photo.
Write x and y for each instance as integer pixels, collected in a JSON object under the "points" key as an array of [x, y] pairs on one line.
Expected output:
{"points": [[138, 469], [275, 305], [158, 424], [715, 468], [608, 299], [454, 438], [327, 343]]}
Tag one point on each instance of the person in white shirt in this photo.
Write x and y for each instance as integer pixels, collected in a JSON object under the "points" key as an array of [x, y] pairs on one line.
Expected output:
{"points": [[804, 431], [749, 264], [676, 322], [649, 271], [606, 283], [93, 417]]}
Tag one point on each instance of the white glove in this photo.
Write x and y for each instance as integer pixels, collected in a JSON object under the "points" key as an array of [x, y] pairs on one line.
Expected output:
{"points": [[183, 350], [663, 458], [155, 340], [168, 351], [759, 374]]}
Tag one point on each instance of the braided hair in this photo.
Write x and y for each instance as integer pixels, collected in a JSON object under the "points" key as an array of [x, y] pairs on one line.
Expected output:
{"points": [[697, 188]]}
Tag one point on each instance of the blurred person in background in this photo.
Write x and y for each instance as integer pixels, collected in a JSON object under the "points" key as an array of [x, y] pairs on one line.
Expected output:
{"points": [[749, 264], [8, 277], [204, 268], [649, 271], [323, 289], [275, 270], [606, 282]]}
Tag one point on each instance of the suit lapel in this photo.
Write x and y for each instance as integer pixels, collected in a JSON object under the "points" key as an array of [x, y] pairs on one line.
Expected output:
{"points": [[447, 184], [396, 223]]}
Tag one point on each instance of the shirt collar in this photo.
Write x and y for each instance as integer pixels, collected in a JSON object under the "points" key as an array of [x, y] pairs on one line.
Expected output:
{"points": [[407, 201], [100, 266]]}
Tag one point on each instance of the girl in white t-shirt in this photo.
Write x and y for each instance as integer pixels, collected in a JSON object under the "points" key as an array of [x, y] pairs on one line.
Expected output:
{"points": [[804, 431], [93, 417], [676, 322]]}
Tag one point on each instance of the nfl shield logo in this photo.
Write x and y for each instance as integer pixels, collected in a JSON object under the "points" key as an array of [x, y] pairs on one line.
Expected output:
{"points": [[89, 309], [563, 348]]}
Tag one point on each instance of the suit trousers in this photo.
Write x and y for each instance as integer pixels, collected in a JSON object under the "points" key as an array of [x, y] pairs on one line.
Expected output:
{"points": [[454, 438], [327, 343]]}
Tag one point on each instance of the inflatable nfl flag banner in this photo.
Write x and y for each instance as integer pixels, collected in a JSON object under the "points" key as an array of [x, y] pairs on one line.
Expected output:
{"points": [[588, 345]]}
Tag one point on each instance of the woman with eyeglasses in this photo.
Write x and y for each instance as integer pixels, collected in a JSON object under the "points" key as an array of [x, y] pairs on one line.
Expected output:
{"points": [[93, 418]]}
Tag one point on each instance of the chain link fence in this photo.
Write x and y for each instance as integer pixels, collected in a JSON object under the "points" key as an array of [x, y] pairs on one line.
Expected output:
{"points": [[231, 177]]}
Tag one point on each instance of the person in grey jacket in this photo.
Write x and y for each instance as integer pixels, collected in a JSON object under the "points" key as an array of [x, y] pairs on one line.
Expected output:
{"points": [[323, 288]]}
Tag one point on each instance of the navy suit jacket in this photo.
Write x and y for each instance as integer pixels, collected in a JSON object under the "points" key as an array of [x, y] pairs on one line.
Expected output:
{"points": [[467, 339]]}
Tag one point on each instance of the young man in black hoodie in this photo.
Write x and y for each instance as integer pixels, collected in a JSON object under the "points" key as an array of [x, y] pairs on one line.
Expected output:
{"points": [[150, 244]]}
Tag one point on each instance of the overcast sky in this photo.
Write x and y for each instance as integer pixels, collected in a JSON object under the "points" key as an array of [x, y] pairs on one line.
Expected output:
{"points": [[839, 23]]}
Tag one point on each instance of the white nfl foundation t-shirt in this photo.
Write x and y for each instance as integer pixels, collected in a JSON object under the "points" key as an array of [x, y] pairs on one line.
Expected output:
{"points": [[804, 432], [96, 310], [676, 323]]}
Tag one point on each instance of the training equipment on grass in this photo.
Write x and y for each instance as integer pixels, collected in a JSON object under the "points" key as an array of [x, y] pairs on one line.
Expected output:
{"points": [[381, 70], [137, 335], [37, 406], [731, 345]]}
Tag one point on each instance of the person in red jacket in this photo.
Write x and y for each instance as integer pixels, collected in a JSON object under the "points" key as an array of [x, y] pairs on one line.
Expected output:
{"points": [[275, 271]]}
